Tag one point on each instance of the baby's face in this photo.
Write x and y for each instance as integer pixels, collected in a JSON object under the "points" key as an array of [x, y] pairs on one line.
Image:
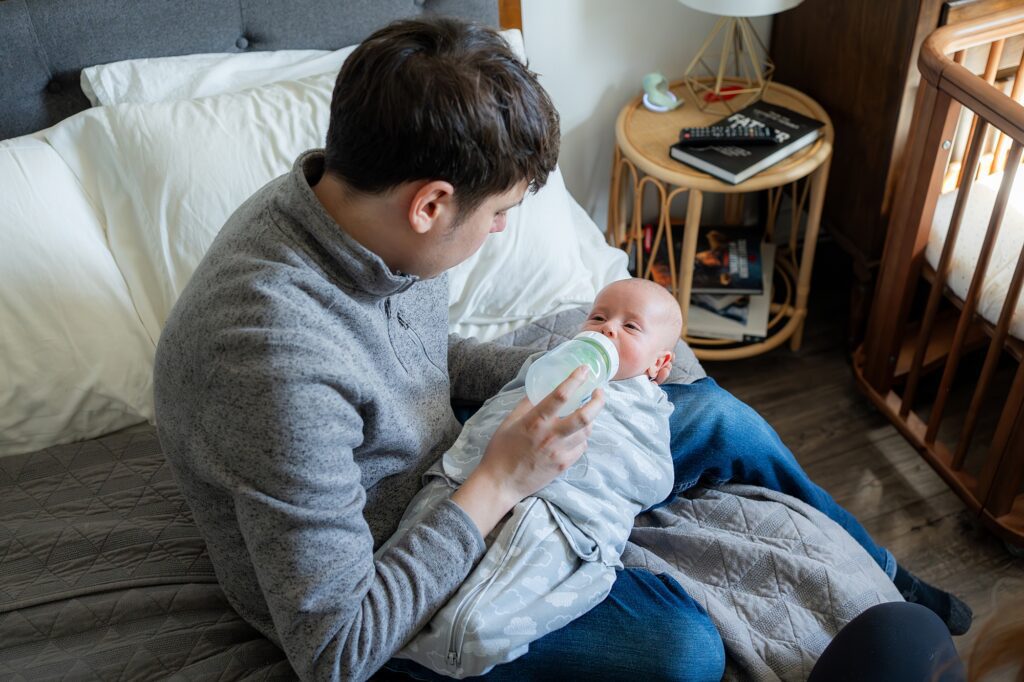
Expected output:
{"points": [[640, 318]]}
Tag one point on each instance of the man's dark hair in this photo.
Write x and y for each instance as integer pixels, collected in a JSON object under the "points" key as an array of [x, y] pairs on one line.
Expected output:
{"points": [[440, 99]]}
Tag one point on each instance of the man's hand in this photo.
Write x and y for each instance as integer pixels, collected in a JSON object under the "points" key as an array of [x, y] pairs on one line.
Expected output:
{"points": [[528, 451]]}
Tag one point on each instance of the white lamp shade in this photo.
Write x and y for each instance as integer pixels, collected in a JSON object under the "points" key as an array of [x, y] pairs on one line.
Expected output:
{"points": [[741, 8]]}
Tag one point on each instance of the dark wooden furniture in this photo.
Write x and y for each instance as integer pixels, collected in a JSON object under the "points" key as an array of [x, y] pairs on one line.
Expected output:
{"points": [[992, 486], [857, 58]]}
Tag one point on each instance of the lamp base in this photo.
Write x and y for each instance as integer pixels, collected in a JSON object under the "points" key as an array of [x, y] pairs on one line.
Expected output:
{"points": [[714, 88]]}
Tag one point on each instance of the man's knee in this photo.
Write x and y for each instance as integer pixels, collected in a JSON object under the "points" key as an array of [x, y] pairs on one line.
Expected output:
{"points": [[681, 642]]}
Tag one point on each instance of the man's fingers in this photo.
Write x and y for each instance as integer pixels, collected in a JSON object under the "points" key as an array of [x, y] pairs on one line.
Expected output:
{"points": [[521, 408], [553, 403], [582, 418]]}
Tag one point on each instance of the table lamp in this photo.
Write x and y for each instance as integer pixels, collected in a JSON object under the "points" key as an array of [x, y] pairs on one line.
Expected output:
{"points": [[713, 87]]}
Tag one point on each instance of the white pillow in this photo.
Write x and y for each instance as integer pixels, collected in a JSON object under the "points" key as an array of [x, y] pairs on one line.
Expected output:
{"points": [[166, 176], [75, 362], [533, 268], [162, 79], [201, 75]]}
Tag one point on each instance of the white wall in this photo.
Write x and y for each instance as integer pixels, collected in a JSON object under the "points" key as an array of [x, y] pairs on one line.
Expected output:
{"points": [[591, 56]]}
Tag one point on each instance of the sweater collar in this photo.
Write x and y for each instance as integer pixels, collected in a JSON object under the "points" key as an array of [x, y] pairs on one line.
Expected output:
{"points": [[341, 256]]}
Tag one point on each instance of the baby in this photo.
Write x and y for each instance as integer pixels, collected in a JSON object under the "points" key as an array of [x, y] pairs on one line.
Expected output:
{"points": [[555, 557]]}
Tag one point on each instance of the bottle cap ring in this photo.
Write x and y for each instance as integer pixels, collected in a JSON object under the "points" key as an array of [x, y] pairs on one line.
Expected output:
{"points": [[607, 346]]}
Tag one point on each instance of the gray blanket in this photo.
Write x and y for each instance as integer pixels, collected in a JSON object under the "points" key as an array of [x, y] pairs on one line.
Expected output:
{"points": [[778, 578], [103, 573]]}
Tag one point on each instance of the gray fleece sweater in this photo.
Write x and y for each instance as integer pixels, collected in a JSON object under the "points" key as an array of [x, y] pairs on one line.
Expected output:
{"points": [[302, 389]]}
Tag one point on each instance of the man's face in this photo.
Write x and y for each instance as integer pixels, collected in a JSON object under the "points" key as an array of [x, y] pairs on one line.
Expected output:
{"points": [[635, 325], [453, 244]]}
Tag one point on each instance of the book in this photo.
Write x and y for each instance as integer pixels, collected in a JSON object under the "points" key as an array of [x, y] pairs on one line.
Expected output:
{"points": [[739, 318], [728, 260], [733, 306], [734, 163]]}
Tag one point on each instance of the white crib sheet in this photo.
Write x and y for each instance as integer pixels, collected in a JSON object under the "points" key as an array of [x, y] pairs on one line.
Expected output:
{"points": [[968, 246]]}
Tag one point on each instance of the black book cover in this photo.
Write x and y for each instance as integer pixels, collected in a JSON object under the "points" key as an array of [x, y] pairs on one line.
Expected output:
{"points": [[734, 163]]}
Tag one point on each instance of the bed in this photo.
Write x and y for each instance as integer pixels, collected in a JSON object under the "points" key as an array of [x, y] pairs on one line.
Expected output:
{"points": [[115, 177], [113, 184]]}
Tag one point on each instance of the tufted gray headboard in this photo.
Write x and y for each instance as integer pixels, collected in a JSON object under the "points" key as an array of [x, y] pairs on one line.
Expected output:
{"points": [[44, 44]]}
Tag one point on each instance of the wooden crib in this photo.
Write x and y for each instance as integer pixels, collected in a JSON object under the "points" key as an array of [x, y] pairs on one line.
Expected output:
{"points": [[918, 337]]}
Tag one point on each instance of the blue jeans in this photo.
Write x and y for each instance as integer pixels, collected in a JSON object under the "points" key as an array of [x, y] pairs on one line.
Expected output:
{"points": [[648, 628]]}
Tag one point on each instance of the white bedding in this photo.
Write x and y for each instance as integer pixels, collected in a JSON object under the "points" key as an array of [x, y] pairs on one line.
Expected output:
{"points": [[105, 215], [75, 361], [968, 247]]}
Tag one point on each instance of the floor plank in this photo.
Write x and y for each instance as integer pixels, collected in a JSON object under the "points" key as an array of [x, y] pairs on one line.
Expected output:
{"points": [[854, 453]]}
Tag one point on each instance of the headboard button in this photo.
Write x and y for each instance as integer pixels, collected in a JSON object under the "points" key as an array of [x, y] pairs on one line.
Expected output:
{"points": [[242, 43], [53, 87]]}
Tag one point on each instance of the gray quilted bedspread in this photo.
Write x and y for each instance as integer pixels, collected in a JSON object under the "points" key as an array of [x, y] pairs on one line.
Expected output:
{"points": [[103, 574]]}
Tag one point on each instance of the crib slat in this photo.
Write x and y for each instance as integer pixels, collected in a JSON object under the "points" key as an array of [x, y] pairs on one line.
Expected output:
{"points": [[996, 347], [914, 202], [998, 159], [942, 270], [1000, 477], [995, 53], [973, 294]]}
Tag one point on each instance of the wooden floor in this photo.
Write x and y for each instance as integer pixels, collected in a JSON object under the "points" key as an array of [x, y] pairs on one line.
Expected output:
{"points": [[853, 452]]}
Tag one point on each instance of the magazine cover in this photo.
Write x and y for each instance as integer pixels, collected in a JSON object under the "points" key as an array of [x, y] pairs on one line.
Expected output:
{"points": [[740, 318], [730, 306], [728, 261]]}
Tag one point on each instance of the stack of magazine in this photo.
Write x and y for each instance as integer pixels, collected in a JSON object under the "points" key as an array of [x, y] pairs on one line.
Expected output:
{"points": [[732, 283]]}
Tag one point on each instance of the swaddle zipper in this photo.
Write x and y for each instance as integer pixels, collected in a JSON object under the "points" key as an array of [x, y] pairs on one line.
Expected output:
{"points": [[461, 618]]}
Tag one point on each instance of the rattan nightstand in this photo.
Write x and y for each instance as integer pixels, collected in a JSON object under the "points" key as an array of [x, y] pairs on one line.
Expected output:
{"points": [[642, 165]]}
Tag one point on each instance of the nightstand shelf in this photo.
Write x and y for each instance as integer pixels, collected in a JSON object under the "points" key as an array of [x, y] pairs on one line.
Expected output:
{"points": [[642, 166]]}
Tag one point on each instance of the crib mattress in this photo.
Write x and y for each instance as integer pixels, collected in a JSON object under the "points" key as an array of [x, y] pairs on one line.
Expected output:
{"points": [[972, 233]]}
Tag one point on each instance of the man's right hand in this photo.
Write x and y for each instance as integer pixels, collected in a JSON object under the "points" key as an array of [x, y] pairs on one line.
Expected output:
{"points": [[528, 451]]}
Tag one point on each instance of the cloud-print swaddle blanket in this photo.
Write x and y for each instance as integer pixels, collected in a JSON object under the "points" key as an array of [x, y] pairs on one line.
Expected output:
{"points": [[554, 558]]}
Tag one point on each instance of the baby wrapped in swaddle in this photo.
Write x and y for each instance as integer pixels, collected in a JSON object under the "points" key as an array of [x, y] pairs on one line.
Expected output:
{"points": [[555, 557]]}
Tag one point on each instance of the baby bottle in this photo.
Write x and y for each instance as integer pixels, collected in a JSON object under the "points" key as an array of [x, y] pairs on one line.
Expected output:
{"points": [[595, 351]]}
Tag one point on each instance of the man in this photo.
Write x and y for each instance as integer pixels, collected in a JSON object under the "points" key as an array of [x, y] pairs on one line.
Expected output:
{"points": [[304, 377]]}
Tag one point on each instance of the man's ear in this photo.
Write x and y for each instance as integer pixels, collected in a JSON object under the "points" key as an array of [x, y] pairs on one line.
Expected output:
{"points": [[433, 204]]}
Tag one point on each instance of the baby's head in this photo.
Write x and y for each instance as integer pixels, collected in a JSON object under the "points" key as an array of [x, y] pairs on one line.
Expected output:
{"points": [[642, 319]]}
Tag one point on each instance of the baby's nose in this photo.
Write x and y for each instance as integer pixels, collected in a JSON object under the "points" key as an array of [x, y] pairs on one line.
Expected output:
{"points": [[608, 330]]}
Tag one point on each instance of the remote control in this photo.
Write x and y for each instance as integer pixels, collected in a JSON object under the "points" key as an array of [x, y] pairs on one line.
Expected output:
{"points": [[739, 135]]}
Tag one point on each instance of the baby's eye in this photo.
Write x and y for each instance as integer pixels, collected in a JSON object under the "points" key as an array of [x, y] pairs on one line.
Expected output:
{"points": [[633, 326], [597, 318]]}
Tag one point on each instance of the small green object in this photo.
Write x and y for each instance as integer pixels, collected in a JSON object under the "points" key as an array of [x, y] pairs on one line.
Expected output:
{"points": [[658, 94]]}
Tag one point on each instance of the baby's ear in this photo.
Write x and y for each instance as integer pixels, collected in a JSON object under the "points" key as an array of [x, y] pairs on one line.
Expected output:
{"points": [[662, 367]]}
